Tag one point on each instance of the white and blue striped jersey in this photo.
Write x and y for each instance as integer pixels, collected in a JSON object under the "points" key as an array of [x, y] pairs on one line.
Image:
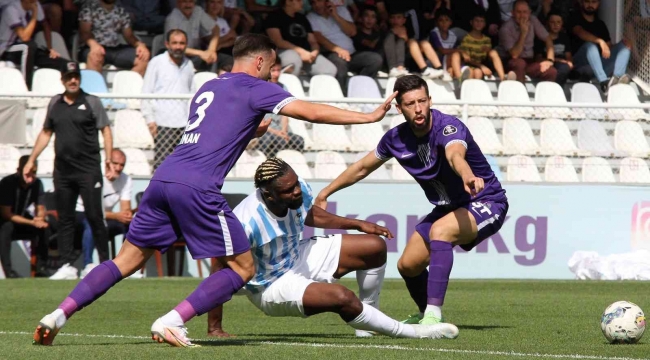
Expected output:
{"points": [[274, 240]]}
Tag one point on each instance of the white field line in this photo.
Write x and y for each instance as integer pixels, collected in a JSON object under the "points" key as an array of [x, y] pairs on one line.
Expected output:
{"points": [[362, 346]]}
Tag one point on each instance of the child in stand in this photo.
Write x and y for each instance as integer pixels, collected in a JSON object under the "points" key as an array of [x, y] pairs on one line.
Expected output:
{"points": [[445, 42], [368, 37]]}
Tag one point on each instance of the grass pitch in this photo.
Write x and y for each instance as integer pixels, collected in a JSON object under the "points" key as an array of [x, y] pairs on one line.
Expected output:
{"points": [[497, 320]]}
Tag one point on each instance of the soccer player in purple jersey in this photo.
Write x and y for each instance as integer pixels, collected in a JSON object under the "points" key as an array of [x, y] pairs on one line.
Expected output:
{"points": [[184, 196], [470, 204]]}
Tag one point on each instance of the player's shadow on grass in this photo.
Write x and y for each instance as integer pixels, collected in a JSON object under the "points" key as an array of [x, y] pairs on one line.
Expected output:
{"points": [[482, 327]]}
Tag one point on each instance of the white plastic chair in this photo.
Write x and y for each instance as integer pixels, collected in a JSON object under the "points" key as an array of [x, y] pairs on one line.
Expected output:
{"points": [[587, 93], [629, 137], [329, 165], [624, 94], [293, 84], [361, 86], [58, 43], [297, 161], [298, 127], [592, 137], [366, 136], [560, 169], [9, 156], [127, 82], [441, 92], [550, 93], [157, 44], [597, 169], [555, 138], [514, 92], [390, 84], [396, 120], [398, 172], [478, 91], [634, 170], [518, 137], [202, 77], [37, 123], [522, 168], [325, 87], [331, 137], [485, 135], [248, 163], [45, 81], [12, 81], [137, 163], [131, 131]]}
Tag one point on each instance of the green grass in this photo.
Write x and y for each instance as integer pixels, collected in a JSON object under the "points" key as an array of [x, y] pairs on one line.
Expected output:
{"points": [[523, 317]]}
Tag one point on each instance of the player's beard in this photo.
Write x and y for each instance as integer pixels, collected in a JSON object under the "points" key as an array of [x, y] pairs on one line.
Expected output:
{"points": [[425, 125], [295, 204]]}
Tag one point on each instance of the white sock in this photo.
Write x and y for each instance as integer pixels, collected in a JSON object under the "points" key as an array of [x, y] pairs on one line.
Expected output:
{"points": [[60, 318], [370, 282], [172, 318], [436, 310], [372, 319]]}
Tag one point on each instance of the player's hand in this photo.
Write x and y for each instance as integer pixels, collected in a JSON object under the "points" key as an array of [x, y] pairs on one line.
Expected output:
{"points": [[321, 202], [153, 129], [604, 48], [374, 229], [381, 111], [263, 127], [473, 185], [54, 54], [28, 174]]}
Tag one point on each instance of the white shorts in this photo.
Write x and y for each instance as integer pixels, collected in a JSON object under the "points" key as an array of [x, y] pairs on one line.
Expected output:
{"points": [[318, 261]]}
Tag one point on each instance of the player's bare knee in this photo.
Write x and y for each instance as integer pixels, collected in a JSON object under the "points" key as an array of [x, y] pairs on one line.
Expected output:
{"points": [[407, 269], [346, 299], [379, 250], [440, 232]]}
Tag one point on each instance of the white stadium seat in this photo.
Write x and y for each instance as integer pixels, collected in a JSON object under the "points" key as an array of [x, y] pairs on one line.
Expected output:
{"points": [[634, 170], [560, 169], [555, 138], [475, 90], [293, 84], [514, 92], [629, 137], [518, 137], [58, 43], [623, 94], [551, 93], [366, 136], [329, 165], [45, 81], [248, 163], [485, 135], [130, 130], [9, 156], [298, 127], [297, 161], [398, 172], [157, 44], [361, 86], [137, 163], [587, 93], [592, 137], [396, 120], [37, 123], [201, 78], [127, 82], [331, 137], [441, 92], [597, 169], [522, 168], [325, 87], [12, 81], [390, 84]]}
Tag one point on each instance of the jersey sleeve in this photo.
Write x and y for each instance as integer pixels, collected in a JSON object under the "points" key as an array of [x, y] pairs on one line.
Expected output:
{"points": [[268, 97], [452, 133], [101, 118], [382, 152]]}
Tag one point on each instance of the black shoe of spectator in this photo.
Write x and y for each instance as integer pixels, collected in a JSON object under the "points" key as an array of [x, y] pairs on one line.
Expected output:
{"points": [[44, 272], [12, 275], [604, 87]]}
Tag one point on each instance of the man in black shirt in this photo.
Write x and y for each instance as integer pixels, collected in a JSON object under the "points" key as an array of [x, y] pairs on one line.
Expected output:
{"points": [[22, 216], [76, 117], [592, 45]]}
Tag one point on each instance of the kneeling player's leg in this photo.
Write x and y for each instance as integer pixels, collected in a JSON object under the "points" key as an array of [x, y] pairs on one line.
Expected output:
{"points": [[365, 254], [412, 265]]}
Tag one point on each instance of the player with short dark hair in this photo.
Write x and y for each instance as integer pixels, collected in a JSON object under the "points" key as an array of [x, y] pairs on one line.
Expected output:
{"points": [[184, 196], [442, 156]]}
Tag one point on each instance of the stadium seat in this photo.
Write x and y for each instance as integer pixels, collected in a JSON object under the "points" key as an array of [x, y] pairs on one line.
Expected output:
{"points": [[398, 172], [494, 165], [298, 127], [623, 94], [45, 81], [518, 137], [232, 172], [522, 168], [361, 86], [366, 136], [127, 82], [58, 43], [93, 82], [293, 84], [593, 138], [201, 78], [485, 135], [46, 160], [325, 87], [37, 123], [560, 169], [248, 163], [551, 93], [137, 163], [514, 92], [629, 137], [157, 44], [297, 161], [329, 165], [587, 93], [380, 174], [597, 169], [12, 81], [634, 170], [441, 92], [9, 156], [396, 120], [390, 84], [331, 137], [130, 130], [475, 90], [555, 138]]}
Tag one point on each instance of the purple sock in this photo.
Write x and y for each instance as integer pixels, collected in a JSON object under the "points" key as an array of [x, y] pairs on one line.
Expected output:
{"points": [[440, 264], [215, 290], [417, 287], [93, 286]]}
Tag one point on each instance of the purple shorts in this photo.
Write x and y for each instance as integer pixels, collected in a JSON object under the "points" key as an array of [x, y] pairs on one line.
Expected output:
{"points": [[170, 210], [489, 216]]}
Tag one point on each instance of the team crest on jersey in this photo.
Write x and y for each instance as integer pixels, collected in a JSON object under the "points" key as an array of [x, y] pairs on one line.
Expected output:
{"points": [[449, 130]]}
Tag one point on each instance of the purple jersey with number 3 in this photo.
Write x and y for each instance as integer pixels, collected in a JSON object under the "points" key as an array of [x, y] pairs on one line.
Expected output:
{"points": [[424, 158], [224, 115]]}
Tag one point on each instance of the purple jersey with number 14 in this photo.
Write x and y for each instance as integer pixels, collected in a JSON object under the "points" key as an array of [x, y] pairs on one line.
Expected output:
{"points": [[224, 115]]}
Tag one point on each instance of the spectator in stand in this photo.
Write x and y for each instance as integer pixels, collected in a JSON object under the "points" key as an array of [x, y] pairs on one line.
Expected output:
{"points": [[146, 15], [116, 189], [200, 29], [418, 51], [63, 16], [560, 7], [168, 73], [516, 42], [261, 9], [237, 18], [507, 6], [382, 19], [22, 216], [428, 14], [18, 22], [100, 25], [291, 32], [592, 45], [333, 28], [463, 14], [227, 35], [561, 47], [445, 42], [368, 38]]}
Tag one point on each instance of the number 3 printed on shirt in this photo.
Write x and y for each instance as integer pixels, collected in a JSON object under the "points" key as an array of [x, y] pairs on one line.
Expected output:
{"points": [[208, 96]]}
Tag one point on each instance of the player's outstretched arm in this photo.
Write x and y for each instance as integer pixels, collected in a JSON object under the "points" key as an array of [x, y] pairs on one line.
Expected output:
{"points": [[319, 218], [326, 114], [456, 157], [353, 174]]}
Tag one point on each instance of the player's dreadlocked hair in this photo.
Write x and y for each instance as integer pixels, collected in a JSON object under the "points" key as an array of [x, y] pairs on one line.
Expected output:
{"points": [[270, 170]]}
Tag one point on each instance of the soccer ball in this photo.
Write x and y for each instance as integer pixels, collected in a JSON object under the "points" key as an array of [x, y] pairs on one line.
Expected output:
{"points": [[623, 322]]}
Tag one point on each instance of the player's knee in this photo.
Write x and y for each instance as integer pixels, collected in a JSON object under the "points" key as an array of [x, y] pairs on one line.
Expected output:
{"points": [[379, 250], [442, 233], [407, 269], [345, 298]]}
